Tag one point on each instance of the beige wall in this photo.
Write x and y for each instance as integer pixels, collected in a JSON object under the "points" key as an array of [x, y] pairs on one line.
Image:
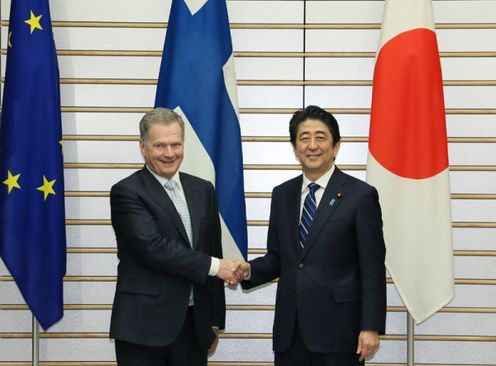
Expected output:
{"points": [[109, 58]]}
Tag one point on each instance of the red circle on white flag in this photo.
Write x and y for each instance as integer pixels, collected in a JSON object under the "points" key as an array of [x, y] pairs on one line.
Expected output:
{"points": [[408, 124]]}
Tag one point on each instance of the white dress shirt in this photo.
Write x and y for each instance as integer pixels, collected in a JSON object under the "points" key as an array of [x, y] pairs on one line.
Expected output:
{"points": [[322, 182]]}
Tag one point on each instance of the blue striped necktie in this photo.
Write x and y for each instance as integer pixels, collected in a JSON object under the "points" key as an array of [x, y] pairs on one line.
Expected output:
{"points": [[308, 213]]}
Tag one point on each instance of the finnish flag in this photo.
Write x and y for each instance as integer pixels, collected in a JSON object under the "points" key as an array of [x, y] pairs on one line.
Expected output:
{"points": [[197, 80]]}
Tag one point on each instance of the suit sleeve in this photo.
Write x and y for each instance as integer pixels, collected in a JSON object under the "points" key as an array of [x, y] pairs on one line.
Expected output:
{"points": [[267, 268], [136, 229], [372, 253], [218, 298]]}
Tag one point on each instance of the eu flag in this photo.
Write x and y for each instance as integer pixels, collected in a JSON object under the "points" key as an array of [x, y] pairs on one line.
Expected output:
{"points": [[32, 222], [197, 80]]}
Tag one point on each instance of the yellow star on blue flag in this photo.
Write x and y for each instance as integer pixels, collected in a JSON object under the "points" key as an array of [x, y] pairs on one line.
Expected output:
{"points": [[34, 22], [12, 181], [46, 188]]}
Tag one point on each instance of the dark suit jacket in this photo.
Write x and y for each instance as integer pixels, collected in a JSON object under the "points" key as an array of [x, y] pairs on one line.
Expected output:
{"points": [[336, 286], [157, 265]]}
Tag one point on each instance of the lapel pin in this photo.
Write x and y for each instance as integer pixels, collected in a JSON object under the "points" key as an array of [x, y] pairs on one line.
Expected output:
{"points": [[339, 195]]}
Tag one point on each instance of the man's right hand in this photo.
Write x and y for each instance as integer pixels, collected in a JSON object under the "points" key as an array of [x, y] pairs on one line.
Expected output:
{"points": [[226, 271], [233, 271], [243, 271]]}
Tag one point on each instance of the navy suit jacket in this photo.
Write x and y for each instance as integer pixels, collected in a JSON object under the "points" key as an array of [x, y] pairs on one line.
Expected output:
{"points": [[334, 287], [157, 265]]}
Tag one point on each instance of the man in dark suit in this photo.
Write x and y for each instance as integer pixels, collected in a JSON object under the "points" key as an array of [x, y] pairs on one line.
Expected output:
{"points": [[169, 304], [326, 246]]}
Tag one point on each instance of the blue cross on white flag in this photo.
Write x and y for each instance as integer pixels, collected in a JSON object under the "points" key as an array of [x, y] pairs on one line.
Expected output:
{"points": [[198, 81]]}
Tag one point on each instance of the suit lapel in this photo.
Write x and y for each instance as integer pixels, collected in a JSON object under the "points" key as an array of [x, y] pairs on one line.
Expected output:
{"points": [[329, 203], [192, 199], [158, 194], [293, 206]]}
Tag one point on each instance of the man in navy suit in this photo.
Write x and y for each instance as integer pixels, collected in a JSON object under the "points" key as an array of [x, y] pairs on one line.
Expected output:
{"points": [[169, 302], [326, 246]]}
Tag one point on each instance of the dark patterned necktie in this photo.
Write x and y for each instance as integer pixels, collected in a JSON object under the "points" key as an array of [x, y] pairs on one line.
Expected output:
{"points": [[308, 213]]}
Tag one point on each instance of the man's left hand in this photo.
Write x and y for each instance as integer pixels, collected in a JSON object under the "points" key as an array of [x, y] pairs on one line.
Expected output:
{"points": [[368, 342], [213, 347]]}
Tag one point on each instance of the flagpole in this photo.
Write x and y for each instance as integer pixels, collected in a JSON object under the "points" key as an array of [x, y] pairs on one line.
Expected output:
{"points": [[35, 334], [1, 100], [410, 340]]}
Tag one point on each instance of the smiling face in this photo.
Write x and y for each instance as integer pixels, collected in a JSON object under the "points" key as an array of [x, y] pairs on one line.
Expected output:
{"points": [[315, 149], [163, 148]]}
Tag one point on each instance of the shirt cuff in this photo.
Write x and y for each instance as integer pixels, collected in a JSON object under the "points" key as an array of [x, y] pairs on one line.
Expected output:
{"points": [[214, 267]]}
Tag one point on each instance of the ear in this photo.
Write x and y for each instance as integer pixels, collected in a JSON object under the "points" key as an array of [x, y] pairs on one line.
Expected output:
{"points": [[294, 152], [142, 147], [336, 149]]}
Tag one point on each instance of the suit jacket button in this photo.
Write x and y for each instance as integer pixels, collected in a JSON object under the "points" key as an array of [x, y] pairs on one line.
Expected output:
{"points": [[301, 265]]}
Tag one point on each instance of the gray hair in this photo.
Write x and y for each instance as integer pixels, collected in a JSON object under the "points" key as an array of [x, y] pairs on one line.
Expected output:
{"points": [[159, 115]]}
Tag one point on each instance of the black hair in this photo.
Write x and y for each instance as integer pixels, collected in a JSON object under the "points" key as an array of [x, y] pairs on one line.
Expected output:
{"points": [[317, 113]]}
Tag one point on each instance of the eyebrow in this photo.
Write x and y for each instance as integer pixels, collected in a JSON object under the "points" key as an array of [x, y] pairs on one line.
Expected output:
{"points": [[320, 132]]}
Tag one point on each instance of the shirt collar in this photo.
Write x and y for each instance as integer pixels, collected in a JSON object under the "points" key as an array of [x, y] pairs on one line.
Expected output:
{"points": [[176, 178], [322, 181]]}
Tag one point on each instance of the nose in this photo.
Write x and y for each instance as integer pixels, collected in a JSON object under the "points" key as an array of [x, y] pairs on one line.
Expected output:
{"points": [[312, 144], [168, 151]]}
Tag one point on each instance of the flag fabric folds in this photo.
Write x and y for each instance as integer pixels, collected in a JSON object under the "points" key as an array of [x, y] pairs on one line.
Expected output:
{"points": [[408, 157], [197, 80], [32, 222]]}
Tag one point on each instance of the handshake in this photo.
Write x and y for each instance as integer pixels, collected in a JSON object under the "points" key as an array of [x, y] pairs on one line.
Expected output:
{"points": [[233, 271]]}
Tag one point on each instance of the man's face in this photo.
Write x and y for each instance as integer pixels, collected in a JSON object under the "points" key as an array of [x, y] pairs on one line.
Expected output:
{"points": [[314, 148], [163, 149]]}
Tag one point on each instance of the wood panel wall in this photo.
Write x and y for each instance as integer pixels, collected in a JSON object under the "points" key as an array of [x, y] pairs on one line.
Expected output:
{"points": [[287, 53]]}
